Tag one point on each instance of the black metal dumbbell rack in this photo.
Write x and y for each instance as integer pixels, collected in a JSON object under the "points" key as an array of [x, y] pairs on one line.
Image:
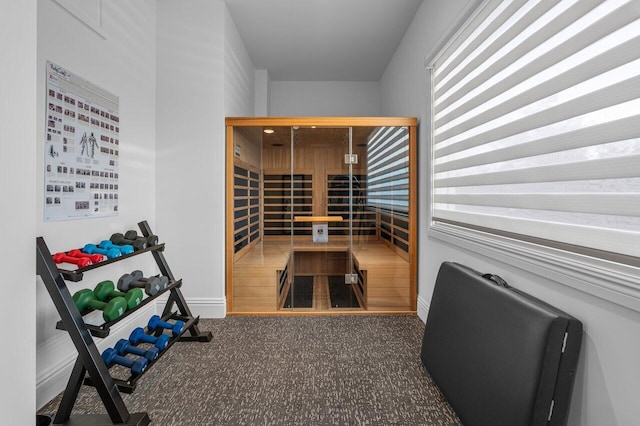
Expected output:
{"points": [[89, 368]]}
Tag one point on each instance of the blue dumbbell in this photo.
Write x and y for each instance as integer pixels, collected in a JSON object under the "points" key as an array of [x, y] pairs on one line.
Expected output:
{"points": [[155, 322], [124, 249], [124, 347], [110, 253], [137, 366], [138, 335]]}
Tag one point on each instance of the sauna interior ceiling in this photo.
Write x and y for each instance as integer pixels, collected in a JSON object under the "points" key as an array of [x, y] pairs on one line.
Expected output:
{"points": [[322, 40]]}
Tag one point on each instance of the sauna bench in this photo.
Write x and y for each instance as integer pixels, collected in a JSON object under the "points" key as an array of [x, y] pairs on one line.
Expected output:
{"points": [[255, 285]]}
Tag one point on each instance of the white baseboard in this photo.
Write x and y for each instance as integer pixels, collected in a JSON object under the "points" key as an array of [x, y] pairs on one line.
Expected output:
{"points": [[204, 307], [423, 309]]}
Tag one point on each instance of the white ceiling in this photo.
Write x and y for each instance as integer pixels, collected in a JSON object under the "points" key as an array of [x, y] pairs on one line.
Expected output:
{"points": [[322, 40]]}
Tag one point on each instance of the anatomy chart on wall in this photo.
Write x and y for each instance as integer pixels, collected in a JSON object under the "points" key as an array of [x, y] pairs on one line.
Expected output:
{"points": [[81, 148]]}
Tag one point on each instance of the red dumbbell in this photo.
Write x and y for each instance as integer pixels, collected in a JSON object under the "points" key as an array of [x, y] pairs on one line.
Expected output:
{"points": [[95, 258], [80, 261]]}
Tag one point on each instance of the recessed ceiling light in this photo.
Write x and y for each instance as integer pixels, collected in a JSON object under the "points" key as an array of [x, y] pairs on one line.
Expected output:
{"points": [[268, 131]]}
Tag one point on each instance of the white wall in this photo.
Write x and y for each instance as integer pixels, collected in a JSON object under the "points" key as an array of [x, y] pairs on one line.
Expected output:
{"points": [[123, 63], [171, 170], [262, 93], [324, 98], [239, 73], [190, 146], [203, 74], [404, 90], [608, 378], [17, 186]]}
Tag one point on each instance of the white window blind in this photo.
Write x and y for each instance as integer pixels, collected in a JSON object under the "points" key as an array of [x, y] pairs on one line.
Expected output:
{"points": [[536, 125], [388, 169]]}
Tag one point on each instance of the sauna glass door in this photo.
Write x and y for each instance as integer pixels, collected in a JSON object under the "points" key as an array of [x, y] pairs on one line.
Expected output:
{"points": [[322, 188]]}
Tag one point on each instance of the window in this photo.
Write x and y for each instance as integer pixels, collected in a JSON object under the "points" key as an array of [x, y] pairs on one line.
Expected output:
{"points": [[536, 126]]}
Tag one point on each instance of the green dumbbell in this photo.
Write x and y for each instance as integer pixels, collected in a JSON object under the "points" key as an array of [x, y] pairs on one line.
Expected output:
{"points": [[106, 290], [110, 311]]}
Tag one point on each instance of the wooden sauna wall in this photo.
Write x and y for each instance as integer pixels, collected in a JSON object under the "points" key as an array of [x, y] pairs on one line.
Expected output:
{"points": [[317, 160], [248, 139], [322, 262], [246, 176], [394, 231]]}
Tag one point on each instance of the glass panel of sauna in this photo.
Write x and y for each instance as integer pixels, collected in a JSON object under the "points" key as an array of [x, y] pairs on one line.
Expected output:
{"points": [[322, 185], [254, 282], [381, 226], [284, 195]]}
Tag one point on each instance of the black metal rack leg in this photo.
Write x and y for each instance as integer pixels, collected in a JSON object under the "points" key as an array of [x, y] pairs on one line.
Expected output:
{"points": [[71, 393], [89, 358], [176, 295]]}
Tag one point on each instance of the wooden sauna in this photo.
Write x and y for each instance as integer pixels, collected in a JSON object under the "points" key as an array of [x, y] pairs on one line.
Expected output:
{"points": [[321, 215]]}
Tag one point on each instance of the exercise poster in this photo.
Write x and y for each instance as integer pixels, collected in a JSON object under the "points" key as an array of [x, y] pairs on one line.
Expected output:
{"points": [[82, 141]]}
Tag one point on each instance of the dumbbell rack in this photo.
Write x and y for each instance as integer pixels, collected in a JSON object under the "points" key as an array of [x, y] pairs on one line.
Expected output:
{"points": [[89, 368]]}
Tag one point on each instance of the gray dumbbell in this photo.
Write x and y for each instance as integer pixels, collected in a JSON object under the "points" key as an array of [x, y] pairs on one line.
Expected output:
{"points": [[151, 285], [131, 234], [137, 243]]}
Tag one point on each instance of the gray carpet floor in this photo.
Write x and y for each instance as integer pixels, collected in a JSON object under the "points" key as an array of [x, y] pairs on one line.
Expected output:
{"points": [[301, 370]]}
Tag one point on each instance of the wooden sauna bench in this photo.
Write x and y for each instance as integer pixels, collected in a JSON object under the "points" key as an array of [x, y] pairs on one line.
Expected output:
{"points": [[255, 281]]}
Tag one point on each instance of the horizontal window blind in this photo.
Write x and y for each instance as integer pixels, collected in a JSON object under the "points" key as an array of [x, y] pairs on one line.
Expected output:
{"points": [[536, 125], [388, 169]]}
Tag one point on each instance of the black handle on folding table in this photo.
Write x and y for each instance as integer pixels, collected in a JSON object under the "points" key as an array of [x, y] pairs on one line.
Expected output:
{"points": [[497, 279]]}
